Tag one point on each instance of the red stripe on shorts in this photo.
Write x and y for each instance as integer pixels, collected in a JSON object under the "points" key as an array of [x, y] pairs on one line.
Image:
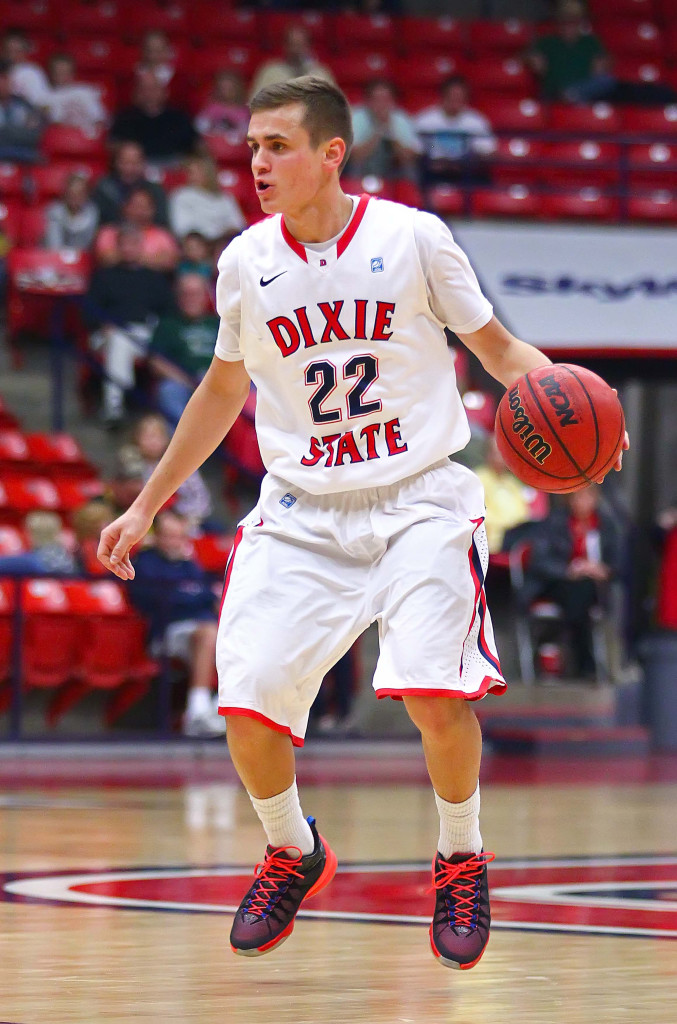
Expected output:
{"points": [[297, 741]]}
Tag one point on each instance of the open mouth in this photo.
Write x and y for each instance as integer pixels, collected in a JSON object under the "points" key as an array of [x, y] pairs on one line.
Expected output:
{"points": [[262, 186]]}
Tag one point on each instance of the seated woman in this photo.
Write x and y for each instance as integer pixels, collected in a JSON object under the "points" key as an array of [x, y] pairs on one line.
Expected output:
{"points": [[203, 206], [159, 250]]}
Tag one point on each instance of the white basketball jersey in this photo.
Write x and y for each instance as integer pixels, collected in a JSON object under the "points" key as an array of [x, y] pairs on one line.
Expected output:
{"points": [[355, 381]]}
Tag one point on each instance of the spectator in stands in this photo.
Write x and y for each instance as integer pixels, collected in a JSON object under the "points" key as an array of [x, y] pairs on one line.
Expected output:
{"points": [[72, 220], [508, 501], [196, 256], [574, 554], [159, 249], [202, 205], [165, 133], [571, 62], [173, 592], [157, 57], [456, 138], [385, 139], [192, 500], [122, 304], [21, 124], [88, 522], [128, 171], [71, 102], [298, 59], [182, 346], [226, 110], [47, 552], [27, 79], [127, 479]]}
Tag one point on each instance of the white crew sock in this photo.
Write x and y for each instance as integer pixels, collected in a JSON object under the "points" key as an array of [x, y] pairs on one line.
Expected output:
{"points": [[283, 821], [199, 702], [459, 825]]}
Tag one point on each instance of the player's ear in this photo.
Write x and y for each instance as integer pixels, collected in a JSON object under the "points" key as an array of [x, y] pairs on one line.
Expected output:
{"points": [[334, 151]]}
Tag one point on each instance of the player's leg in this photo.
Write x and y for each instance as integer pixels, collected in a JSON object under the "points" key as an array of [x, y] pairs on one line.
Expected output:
{"points": [[289, 612]]}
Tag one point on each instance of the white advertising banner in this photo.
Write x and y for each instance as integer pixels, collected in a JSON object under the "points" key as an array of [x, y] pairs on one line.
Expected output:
{"points": [[580, 288]]}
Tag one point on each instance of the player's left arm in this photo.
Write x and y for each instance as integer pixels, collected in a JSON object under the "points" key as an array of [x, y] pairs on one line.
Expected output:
{"points": [[506, 358]]}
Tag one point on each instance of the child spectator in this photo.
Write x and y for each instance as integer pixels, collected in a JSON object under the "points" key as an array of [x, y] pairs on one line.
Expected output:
{"points": [[182, 346], [88, 522], [127, 172], [159, 250], [73, 219], [226, 110], [173, 592], [201, 205], [192, 500], [47, 552], [70, 102]]}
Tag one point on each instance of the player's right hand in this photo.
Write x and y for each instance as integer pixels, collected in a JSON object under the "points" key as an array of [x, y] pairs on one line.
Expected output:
{"points": [[118, 539]]}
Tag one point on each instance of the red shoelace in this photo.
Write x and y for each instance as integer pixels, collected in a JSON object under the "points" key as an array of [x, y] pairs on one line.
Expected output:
{"points": [[462, 879], [272, 873]]}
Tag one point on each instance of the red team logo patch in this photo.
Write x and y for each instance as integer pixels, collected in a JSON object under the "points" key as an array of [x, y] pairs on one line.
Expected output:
{"points": [[632, 896]]}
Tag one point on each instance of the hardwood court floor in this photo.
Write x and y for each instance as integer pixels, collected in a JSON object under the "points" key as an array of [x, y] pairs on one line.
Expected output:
{"points": [[606, 851]]}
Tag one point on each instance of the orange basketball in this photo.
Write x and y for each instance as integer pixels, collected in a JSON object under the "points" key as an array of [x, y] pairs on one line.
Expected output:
{"points": [[560, 428]]}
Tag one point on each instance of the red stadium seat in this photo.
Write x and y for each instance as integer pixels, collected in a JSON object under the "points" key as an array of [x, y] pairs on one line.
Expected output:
{"points": [[642, 10], [359, 67], [650, 121], [171, 18], [596, 119], [51, 637], [74, 492], [33, 227], [101, 55], [441, 35], [509, 201], [15, 457], [653, 166], [639, 69], [65, 142], [446, 200], [585, 204], [30, 15], [7, 603], [517, 159], [49, 272], [208, 21], [588, 163], [212, 551], [100, 18], [11, 180], [11, 214], [208, 61], [49, 181], [427, 71], [318, 25], [509, 36], [510, 114], [22, 494], [228, 154], [408, 193], [504, 74], [655, 207], [363, 30], [11, 543], [635, 38], [59, 455]]}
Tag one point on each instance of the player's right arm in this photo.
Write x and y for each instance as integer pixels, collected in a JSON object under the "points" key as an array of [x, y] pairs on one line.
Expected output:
{"points": [[209, 415]]}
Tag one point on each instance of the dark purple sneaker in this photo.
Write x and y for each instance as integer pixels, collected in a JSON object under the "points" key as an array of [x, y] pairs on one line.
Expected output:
{"points": [[460, 930], [265, 918]]}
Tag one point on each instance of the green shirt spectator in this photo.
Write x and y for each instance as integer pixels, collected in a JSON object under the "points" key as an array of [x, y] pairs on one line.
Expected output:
{"points": [[569, 57]]}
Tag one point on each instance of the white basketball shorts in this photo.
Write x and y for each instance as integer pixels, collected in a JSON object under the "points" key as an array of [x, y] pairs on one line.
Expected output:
{"points": [[308, 573]]}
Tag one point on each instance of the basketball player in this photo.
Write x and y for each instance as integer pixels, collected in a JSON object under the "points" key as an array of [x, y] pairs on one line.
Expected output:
{"points": [[335, 307]]}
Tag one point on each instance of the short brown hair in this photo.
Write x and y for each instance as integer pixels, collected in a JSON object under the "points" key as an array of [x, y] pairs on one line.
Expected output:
{"points": [[327, 109]]}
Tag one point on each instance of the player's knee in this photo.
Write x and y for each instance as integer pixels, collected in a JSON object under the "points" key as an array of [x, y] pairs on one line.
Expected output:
{"points": [[433, 716]]}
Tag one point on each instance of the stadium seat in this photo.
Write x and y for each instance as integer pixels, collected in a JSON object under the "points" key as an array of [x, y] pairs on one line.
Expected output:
{"points": [[101, 55], [22, 494], [208, 61], [30, 15], [359, 67], [658, 207], [212, 550], [517, 159], [509, 36], [408, 193], [639, 69], [65, 142], [48, 182], [642, 10], [275, 24], [630, 37], [508, 201], [7, 604], [510, 114], [226, 153], [33, 227], [14, 453], [51, 637], [671, 36], [100, 18], [365, 31], [446, 200], [208, 21], [504, 74], [11, 543], [74, 492], [59, 455], [596, 119], [584, 204], [653, 166], [49, 272], [651, 121], [11, 180], [11, 214], [171, 18], [587, 163], [443, 35], [426, 71]]}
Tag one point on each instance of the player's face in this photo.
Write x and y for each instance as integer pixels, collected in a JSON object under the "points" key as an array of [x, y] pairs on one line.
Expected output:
{"points": [[288, 171]]}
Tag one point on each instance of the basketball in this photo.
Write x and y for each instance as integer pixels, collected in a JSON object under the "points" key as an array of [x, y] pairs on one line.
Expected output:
{"points": [[560, 428]]}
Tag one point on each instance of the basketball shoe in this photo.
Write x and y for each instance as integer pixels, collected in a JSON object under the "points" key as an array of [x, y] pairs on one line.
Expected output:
{"points": [[286, 878], [459, 932]]}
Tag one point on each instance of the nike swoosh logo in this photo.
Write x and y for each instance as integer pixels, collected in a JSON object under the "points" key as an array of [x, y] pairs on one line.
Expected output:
{"points": [[270, 280]]}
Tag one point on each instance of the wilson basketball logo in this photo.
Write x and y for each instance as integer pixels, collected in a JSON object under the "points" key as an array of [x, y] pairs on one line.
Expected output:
{"points": [[533, 442]]}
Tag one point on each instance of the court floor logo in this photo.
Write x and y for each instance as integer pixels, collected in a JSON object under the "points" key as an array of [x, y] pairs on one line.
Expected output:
{"points": [[632, 896]]}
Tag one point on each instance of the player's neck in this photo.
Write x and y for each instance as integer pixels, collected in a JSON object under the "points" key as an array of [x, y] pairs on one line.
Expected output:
{"points": [[321, 219]]}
